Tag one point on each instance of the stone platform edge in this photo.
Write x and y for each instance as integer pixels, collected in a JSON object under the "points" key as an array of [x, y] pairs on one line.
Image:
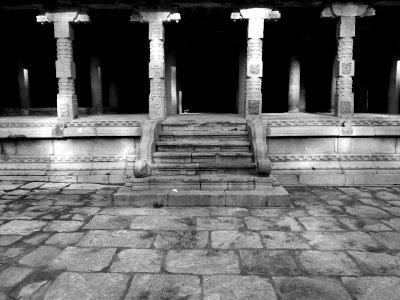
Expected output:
{"points": [[275, 197]]}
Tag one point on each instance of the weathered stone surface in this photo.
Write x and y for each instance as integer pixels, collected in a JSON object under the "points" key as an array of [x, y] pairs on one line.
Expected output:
{"points": [[235, 240], [237, 287], [13, 275], [87, 286], [108, 222], [366, 212], [309, 288], [181, 240], [327, 263], [83, 259], [9, 239], [377, 263], [393, 223], [278, 212], [164, 211], [372, 288], [324, 211], [385, 195], [390, 239], [138, 260], [202, 262], [7, 254], [54, 185], [344, 240], [268, 263], [283, 240], [220, 223], [363, 224], [37, 238], [41, 256], [118, 238], [283, 223], [229, 211], [21, 227], [27, 292], [32, 185], [321, 224], [165, 286], [63, 226], [395, 211], [162, 223], [64, 238]]}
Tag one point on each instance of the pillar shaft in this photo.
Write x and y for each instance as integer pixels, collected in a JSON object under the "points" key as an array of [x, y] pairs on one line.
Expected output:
{"points": [[23, 84], [294, 85], [157, 98], [96, 84], [394, 88]]}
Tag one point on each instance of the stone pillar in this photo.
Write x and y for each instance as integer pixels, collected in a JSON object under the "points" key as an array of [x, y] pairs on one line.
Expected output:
{"points": [[294, 85], [155, 17], [23, 85], [255, 35], [96, 85], [394, 87], [333, 84], [67, 104], [346, 30]]}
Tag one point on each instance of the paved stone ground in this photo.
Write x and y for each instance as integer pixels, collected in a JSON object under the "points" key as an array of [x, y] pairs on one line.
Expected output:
{"points": [[67, 241]]}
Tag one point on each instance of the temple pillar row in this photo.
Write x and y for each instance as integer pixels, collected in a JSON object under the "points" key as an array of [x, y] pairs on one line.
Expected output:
{"points": [[294, 85], [67, 104]]}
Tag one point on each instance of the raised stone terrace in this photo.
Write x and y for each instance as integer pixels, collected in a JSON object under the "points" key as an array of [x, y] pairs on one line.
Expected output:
{"points": [[68, 241]]}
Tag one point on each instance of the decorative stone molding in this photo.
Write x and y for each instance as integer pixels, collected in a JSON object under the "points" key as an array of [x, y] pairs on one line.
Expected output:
{"points": [[255, 35], [346, 30], [68, 158], [67, 104], [258, 136], [302, 122], [155, 16], [334, 157]]}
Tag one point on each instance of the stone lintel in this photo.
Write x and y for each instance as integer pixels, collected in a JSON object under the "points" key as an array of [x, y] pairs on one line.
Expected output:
{"points": [[155, 14], [346, 27], [256, 13], [349, 9], [68, 16]]}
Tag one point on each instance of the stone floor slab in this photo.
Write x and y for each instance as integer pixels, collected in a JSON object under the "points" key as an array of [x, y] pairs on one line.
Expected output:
{"points": [[13, 275], [181, 240], [202, 262], [341, 241], [377, 263], [393, 223], [87, 286], [83, 259], [373, 288], [118, 238], [235, 240], [164, 286], [63, 226], [268, 263], [327, 263], [365, 211], [6, 240], [237, 287], [282, 223], [108, 222], [41, 256], [310, 288], [321, 224], [220, 223], [137, 260], [365, 224], [21, 227], [64, 238], [390, 239], [163, 223], [283, 240]]}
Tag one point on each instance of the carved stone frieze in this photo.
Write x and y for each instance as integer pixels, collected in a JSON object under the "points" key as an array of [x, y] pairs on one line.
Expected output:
{"points": [[334, 157]]}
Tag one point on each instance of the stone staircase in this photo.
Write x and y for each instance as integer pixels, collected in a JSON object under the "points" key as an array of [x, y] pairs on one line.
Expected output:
{"points": [[203, 162]]}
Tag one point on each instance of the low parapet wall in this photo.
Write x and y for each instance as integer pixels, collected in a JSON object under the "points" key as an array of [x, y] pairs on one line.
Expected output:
{"points": [[308, 149]]}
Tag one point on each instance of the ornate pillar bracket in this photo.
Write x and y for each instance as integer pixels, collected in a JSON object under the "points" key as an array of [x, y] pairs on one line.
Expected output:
{"points": [[67, 104], [255, 35], [345, 31], [155, 17]]}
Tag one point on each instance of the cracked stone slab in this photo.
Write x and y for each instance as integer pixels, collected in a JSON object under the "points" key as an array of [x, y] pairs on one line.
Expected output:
{"points": [[283, 223], [237, 287], [268, 263], [327, 263], [83, 259], [137, 260], [64, 238], [181, 240], [310, 288], [118, 238], [41, 256], [164, 286], [63, 226], [21, 227], [220, 223], [9, 253], [321, 223], [13, 275], [283, 240], [202, 262], [341, 241], [393, 223], [87, 286], [162, 223], [235, 240], [373, 288], [377, 263], [108, 222]]}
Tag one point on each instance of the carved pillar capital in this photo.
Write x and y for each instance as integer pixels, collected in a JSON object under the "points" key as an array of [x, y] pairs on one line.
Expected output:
{"points": [[346, 14], [67, 104]]}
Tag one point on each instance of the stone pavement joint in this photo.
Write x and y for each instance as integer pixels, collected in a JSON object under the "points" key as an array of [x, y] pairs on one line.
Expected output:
{"points": [[68, 241]]}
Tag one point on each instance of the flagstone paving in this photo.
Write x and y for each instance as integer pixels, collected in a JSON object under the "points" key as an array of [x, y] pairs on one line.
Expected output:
{"points": [[68, 241]]}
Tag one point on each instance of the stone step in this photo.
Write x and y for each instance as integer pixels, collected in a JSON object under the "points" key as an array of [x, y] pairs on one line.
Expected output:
{"points": [[202, 168], [238, 124], [203, 182], [203, 157], [186, 135], [277, 196], [203, 146]]}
